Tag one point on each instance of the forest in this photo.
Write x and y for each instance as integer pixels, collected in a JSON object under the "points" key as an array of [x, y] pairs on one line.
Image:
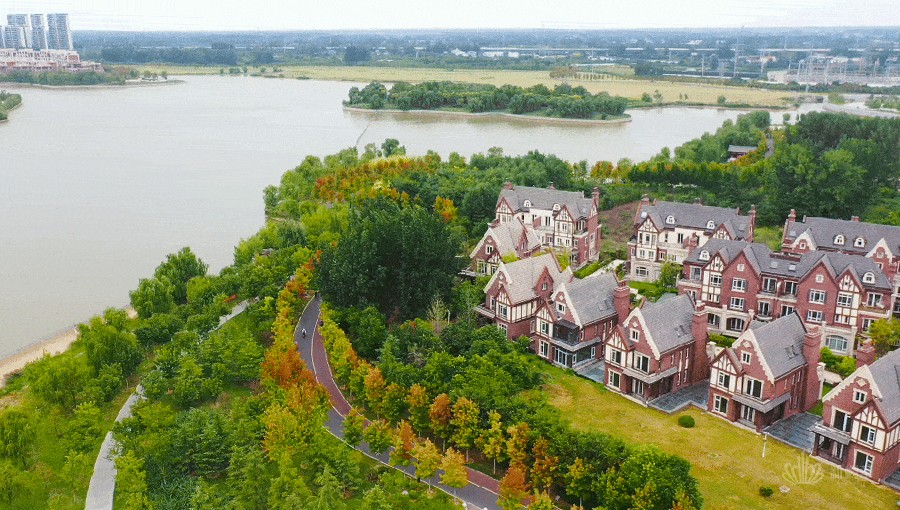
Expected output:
{"points": [[563, 101], [8, 101]]}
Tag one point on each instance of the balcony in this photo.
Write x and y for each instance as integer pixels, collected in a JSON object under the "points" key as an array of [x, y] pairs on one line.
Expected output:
{"points": [[763, 406], [651, 377], [485, 312]]}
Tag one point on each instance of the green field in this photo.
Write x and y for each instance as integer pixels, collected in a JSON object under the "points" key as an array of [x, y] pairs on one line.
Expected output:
{"points": [[727, 460], [701, 93]]}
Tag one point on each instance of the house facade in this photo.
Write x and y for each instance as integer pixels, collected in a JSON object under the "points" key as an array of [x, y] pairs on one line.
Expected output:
{"points": [[658, 349], [562, 220], [772, 371], [741, 282], [516, 291], [669, 231], [860, 430], [502, 240], [881, 243], [570, 328]]}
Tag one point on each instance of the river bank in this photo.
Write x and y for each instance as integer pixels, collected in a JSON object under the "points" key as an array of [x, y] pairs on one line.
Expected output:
{"points": [[537, 118], [127, 84]]}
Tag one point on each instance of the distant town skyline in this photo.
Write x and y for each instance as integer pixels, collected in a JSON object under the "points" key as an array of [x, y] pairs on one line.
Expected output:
{"points": [[200, 15]]}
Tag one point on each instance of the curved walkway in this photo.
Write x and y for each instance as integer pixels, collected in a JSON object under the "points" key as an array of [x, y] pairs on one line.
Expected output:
{"points": [[481, 492]]}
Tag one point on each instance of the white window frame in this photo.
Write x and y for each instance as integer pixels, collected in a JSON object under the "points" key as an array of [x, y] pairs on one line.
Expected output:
{"points": [[639, 360], [767, 288], [874, 300], [544, 349], [791, 288], [736, 304], [715, 280], [859, 242], [869, 277], [831, 343], [814, 316], [615, 380], [859, 397], [867, 464], [845, 299], [738, 285], [724, 380], [817, 296], [615, 356], [746, 357], [750, 385], [868, 434], [720, 405]]}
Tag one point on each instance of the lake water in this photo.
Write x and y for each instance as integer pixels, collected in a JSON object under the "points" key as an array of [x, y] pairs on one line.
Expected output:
{"points": [[98, 185]]}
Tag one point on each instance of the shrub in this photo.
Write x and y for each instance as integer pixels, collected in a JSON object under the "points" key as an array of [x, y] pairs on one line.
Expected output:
{"points": [[766, 491], [721, 340], [686, 421]]}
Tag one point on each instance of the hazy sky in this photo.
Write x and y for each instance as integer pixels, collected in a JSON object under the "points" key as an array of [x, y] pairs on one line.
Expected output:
{"points": [[364, 14]]}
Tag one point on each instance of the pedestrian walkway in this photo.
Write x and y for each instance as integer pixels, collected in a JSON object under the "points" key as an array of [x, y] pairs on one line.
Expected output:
{"points": [[696, 395], [795, 430], [480, 493]]}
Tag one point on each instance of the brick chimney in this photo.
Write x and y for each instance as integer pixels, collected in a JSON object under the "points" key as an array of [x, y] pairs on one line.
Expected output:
{"points": [[622, 300], [595, 194], [854, 218], [700, 363], [645, 201], [751, 229], [507, 185], [812, 347], [792, 216], [692, 242], [551, 186], [865, 355], [698, 201]]}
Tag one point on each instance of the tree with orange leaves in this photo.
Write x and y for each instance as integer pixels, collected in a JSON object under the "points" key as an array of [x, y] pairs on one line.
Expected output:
{"points": [[513, 488], [544, 467], [403, 442], [446, 208], [440, 414]]}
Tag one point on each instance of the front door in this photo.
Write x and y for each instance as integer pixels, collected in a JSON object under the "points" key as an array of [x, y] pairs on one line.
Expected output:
{"points": [[637, 387], [748, 414]]}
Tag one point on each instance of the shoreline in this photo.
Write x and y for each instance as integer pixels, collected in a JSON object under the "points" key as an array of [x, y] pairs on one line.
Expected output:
{"points": [[127, 84], [14, 108], [489, 114]]}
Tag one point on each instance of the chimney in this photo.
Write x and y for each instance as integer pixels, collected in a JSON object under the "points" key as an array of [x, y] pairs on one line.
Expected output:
{"points": [[551, 186], [792, 216], [595, 194], [854, 218], [865, 355], [507, 185], [751, 229], [812, 347], [693, 241], [697, 201], [622, 300], [645, 201], [700, 368]]}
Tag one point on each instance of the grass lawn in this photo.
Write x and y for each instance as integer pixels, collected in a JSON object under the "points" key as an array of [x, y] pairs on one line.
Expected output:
{"points": [[725, 459], [630, 88]]}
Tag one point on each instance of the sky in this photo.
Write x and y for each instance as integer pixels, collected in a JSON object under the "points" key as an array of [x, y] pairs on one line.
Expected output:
{"points": [[189, 15]]}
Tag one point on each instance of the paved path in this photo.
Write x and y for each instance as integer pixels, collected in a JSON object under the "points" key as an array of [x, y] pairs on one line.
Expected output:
{"points": [[482, 490]]}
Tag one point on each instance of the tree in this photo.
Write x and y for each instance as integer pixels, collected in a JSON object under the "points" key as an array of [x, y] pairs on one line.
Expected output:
{"points": [[12, 481], [158, 329], [419, 403], [513, 488], [455, 474], [541, 501], [544, 467], [885, 335], [440, 413], [392, 147], [374, 388], [517, 444], [355, 55], [393, 403], [288, 491], [17, 435], [131, 482], [376, 499], [178, 269], [354, 423], [106, 345], [84, 428], [428, 459], [248, 479], [378, 436], [492, 440], [58, 380], [465, 423], [152, 296], [404, 439], [330, 494], [668, 275], [578, 481]]}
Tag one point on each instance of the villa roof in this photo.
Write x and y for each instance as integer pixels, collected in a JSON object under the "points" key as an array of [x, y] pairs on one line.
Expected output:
{"points": [[669, 322], [592, 297], [823, 232], [507, 236], [546, 198], [696, 216], [522, 276], [781, 343], [886, 375]]}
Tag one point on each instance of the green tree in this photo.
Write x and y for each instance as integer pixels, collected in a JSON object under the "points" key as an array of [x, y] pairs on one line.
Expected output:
{"points": [[178, 269], [518, 437], [418, 402], [106, 345], [465, 424], [330, 494], [158, 329], [392, 147], [541, 501], [288, 491], [669, 275], [378, 436], [12, 481], [578, 480], [376, 499], [885, 335], [428, 459], [17, 435], [84, 430], [131, 482], [493, 440], [393, 403], [58, 380], [354, 424], [248, 479], [454, 468], [153, 296]]}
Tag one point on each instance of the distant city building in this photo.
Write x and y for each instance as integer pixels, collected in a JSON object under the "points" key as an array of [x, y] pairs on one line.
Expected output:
{"points": [[59, 35], [28, 60], [15, 37], [38, 32]]}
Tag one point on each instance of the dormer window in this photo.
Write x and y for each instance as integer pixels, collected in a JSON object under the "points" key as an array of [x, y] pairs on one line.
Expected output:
{"points": [[555, 207], [670, 219], [526, 203], [704, 255], [859, 242], [710, 224], [839, 239], [869, 277], [561, 307]]}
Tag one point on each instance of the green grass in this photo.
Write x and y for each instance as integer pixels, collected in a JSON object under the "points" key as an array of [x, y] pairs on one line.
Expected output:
{"points": [[725, 459], [651, 290], [770, 236], [817, 410]]}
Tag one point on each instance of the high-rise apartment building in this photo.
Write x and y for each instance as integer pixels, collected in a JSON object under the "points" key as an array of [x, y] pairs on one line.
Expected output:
{"points": [[59, 35], [18, 31], [38, 32]]}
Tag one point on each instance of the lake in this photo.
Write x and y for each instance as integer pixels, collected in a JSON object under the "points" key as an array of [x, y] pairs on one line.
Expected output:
{"points": [[98, 185]]}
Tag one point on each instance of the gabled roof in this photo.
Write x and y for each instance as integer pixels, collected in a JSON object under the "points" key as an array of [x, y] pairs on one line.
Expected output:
{"points": [[886, 376], [522, 275], [591, 298], [669, 322], [546, 198], [766, 261], [695, 216], [780, 343], [507, 236], [824, 230]]}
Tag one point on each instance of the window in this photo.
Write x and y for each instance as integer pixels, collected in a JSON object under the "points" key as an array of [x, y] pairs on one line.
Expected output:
{"points": [[641, 271], [547, 221], [869, 277], [635, 336], [680, 238], [489, 249], [555, 207], [820, 278], [704, 255], [615, 356], [545, 349], [753, 388], [745, 357], [867, 323], [564, 227], [544, 286], [642, 363], [502, 327], [814, 316], [696, 273], [844, 299], [790, 288], [561, 307], [738, 284], [859, 242], [748, 413], [873, 300], [764, 308], [859, 396], [863, 462], [545, 328], [741, 267], [816, 296], [715, 280], [836, 343], [721, 405], [724, 379], [710, 224], [734, 324], [593, 351], [502, 311], [615, 380], [842, 421], [737, 303], [713, 321], [670, 219], [527, 203], [867, 434], [839, 239], [786, 310], [561, 357], [769, 285]]}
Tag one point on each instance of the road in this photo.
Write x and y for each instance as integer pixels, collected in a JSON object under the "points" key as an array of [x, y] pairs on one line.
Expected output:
{"points": [[480, 493]]}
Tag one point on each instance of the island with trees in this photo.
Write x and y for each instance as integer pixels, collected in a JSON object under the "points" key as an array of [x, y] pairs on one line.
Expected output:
{"points": [[539, 101], [8, 101]]}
